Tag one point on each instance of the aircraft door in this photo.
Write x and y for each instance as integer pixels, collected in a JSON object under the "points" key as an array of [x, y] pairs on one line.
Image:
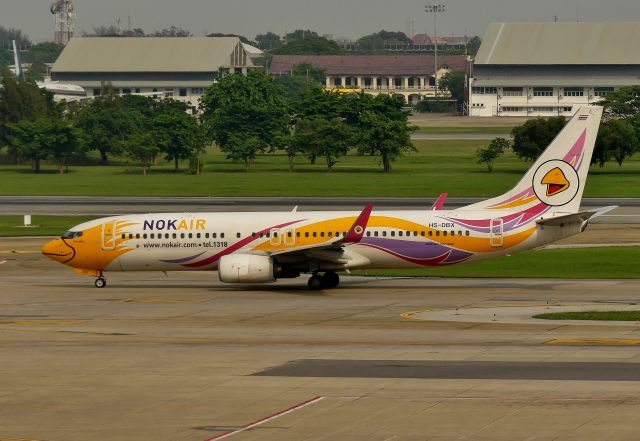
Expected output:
{"points": [[289, 237], [108, 236], [275, 238], [496, 232]]}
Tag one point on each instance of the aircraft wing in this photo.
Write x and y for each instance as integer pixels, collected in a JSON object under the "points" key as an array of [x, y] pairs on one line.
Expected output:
{"points": [[332, 251]]}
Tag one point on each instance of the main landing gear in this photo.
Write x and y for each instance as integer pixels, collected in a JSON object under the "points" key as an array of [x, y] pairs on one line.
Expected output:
{"points": [[101, 282], [328, 280]]}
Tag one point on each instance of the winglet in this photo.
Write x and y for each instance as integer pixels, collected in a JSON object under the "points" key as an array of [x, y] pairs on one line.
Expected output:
{"points": [[356, 232], [439, 203]]}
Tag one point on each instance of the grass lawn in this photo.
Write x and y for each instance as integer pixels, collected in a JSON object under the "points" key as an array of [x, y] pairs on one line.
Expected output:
{"points": [[11, 226], [436, 167], [630, 316], [580, 263]]}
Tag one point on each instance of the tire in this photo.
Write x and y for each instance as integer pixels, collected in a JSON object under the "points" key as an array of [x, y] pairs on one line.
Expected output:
{"points": [[315, 283], [330, 279], [101, 282]]}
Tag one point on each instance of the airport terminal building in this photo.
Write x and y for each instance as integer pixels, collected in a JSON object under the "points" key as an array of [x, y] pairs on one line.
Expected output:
{"points": [[411, 77], [181, 68], [547, 69]]}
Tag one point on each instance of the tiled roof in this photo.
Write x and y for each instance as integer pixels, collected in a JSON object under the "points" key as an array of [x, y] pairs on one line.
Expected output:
{"points": [[368, 64]]}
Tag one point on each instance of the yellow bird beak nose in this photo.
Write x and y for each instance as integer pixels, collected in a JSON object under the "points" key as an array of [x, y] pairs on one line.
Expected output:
{"points": [[59, 251]]}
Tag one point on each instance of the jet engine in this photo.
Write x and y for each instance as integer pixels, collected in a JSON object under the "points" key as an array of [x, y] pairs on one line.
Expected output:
{"points": [[246, 268]]}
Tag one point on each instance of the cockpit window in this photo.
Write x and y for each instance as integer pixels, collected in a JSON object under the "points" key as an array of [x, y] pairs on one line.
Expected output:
{"points": [[72, 234]]}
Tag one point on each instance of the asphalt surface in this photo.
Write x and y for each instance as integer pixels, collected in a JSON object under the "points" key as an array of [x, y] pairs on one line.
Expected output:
{"points": [[178, 357], [58, 205]]}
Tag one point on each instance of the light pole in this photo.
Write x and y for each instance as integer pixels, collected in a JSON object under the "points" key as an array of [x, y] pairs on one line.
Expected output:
{"points": [[435, 9]]}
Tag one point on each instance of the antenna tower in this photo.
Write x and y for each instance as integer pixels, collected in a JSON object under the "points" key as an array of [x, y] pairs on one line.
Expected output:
{"points": [[64, 21]]}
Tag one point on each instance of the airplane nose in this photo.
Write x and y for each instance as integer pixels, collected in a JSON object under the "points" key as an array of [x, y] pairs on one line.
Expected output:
{"points": [[59, 251]]}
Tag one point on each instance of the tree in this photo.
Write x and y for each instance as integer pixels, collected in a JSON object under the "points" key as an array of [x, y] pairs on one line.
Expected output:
{"points": [[9, 34], [329, 138], [43, 53], [21, 100], [531, 138], [268, 41], [177, 133], [384, 137], [623, 103], [106, 121], [5, 59], [493, 151], [173, 31], [301, 77], [474, 45], [245, 114], [617, 139], [377, 42], [300, 34], [310, 46], [453, 81], [48, 136], [142, 146]]}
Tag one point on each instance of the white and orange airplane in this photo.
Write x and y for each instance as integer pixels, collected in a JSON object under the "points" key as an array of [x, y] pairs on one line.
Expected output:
{"points": [[262, 247]]}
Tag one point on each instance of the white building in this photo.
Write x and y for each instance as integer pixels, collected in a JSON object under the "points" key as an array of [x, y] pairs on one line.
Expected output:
{"points": [[182, 68], [546, 69], [410, 77]]}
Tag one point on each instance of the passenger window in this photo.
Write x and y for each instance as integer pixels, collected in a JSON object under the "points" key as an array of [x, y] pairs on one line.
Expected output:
{"points": [[275, 234], [315, 234], [137, 235], [190, 235], [384, 233], [322, 234], [306, 234], [175, 236], [181, 235], [238, 235], [437, 232], [214, 235], [408, 233], [368, 233], [444, 233], [393, 233], [415, 233], [124, 236], [466, 233], [422, 233], [330, 234], [297, 234], [198, 236], [144, 236], [166, 236], [130, 236], [152, 236], [268, 234], [430, 233], [375, 234], [289, 234], [206, 235], [221, 235], [399, 233], [253, 235], [453, 233]]}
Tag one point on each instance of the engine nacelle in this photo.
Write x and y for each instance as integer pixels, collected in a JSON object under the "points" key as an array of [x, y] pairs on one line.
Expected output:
{"points": [[246, 268]]}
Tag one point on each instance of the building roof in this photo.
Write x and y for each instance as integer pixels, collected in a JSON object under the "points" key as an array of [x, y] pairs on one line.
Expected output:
{"points": [[146, 54], [368, 64], [607, 43]]}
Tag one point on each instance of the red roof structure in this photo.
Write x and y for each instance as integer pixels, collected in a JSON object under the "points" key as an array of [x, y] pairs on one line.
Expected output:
{"points": [[368, 64]]}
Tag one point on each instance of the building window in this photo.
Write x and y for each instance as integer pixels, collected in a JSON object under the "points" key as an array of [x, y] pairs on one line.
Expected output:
{"points": [[567, 109], [543, 91], [602, 91], [168, 93], [543, 109], [574, 91], [485, 90], [197, 91], [96, 92], [512, 91], [182, 92], [512, 109], [126, 91], [137, 90]]}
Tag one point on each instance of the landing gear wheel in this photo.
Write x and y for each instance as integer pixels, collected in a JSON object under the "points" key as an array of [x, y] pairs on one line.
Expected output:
{"points": [[330, 279], [101, 282], [315, 283]]}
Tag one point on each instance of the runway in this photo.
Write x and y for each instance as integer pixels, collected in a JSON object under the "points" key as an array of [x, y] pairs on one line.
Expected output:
{"points": [[185, 357]]}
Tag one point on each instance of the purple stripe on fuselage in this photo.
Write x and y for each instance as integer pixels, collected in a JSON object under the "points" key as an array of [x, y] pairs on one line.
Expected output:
{"points": [[417, 250]]}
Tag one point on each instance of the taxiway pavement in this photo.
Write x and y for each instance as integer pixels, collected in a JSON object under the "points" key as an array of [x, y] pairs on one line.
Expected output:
{"points": [[185, 357]]}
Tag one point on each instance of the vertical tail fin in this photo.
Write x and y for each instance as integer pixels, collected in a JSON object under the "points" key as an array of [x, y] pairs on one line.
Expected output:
{"points": [[558, 176]]}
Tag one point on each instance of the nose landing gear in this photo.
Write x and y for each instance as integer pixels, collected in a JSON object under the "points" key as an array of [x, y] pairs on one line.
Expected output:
{"points": [[328, 280]]}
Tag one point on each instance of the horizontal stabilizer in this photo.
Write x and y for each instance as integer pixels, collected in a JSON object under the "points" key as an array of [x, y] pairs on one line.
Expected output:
{"points": [[573, 218]]}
